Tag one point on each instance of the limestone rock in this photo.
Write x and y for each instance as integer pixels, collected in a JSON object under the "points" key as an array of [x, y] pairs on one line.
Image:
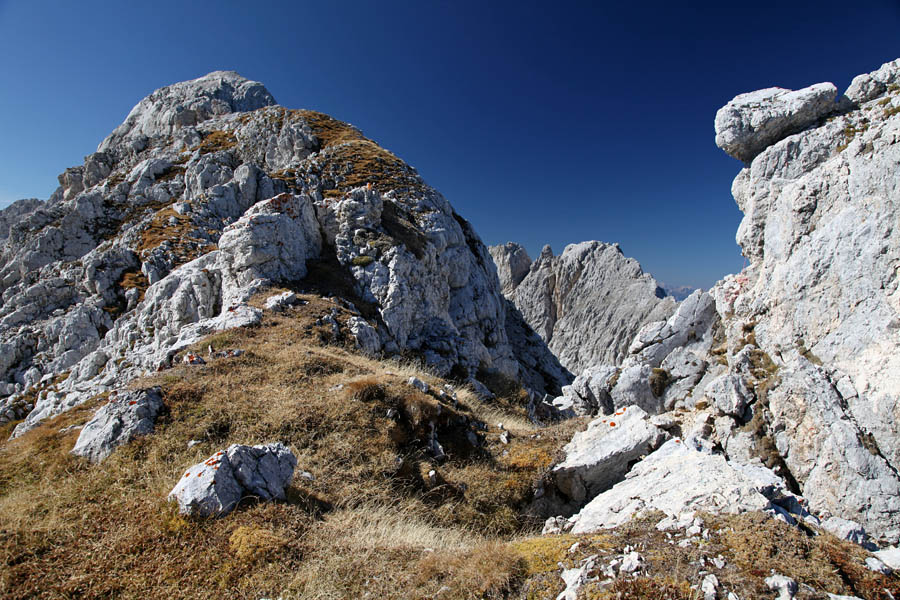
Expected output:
{"points": [[846, 530], [187, 104], [214, 487], [367, 338], [690, 327], [209, 193], [754, 121], [676, 478], [16, 211], [599, 457], [785, 586], [128, 414], [889, 556], [588, 302], [827, 453], [512, 262], [869, 86]]}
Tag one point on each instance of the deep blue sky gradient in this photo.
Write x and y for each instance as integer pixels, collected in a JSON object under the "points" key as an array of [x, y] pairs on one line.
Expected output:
{"points": [[541, 122]]}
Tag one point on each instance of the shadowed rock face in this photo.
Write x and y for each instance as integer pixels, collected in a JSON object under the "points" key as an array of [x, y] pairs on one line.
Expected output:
{"points": [[586, 303], [207, 193]]}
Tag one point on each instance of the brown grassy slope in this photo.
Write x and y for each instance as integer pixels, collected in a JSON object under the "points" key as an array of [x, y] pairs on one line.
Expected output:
{"points": [[371, 521]]}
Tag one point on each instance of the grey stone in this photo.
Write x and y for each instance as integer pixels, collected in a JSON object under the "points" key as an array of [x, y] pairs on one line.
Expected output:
{"points": [[512, 262], [366, 336], [599, 457], [127, 414], [588, 302], [214, 487], [754, 121], [676, 478], [785, 586]]}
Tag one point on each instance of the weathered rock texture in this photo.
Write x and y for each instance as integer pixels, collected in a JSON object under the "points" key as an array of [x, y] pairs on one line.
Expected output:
{"points": [[16, 211], [512, 263], [214, 487], [586, 303], [127, 415], [205, 195], [792, 365]]}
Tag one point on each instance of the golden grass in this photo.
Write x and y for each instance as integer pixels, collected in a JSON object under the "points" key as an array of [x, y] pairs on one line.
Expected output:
{"points": [[372, 520], [216, 141]]}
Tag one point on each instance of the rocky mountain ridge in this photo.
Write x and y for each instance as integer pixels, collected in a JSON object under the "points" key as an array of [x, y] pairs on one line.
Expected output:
{"points": [[784, 371], [207, 192], [586, 304], [293, 254]]}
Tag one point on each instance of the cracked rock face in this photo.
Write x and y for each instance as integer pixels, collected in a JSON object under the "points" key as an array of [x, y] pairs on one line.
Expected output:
{"points": [[208, 193], [127, 415], [214, 487], [790, 366], [587, 303], [600, 456]]}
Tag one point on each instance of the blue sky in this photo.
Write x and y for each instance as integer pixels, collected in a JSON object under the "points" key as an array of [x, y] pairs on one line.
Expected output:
{"points": [[542, 122]]}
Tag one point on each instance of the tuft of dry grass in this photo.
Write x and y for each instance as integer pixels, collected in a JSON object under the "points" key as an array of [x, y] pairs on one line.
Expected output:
{"points": [[217, 141]]}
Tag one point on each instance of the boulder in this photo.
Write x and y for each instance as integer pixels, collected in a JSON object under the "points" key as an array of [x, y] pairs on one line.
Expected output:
{"points": [[367, 338], [675, 479], [214, 487], [752, 122], [128, 414], [600, 456]]}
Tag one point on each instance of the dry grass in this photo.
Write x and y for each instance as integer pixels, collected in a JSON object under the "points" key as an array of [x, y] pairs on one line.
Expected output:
{"points": [[372, 520], [753, 546], [217, 141]]}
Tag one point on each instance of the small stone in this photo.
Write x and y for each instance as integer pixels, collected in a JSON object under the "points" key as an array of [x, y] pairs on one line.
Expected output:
{"points": [[419, 384], [631, 562], [709, 586], [785, 586], [879, 567]]}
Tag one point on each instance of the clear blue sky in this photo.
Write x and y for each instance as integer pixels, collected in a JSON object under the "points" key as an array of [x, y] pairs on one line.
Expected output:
{"points": [[551, 122]]}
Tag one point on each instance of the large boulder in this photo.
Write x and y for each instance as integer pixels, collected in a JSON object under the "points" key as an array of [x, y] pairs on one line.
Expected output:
{"points": [[752, 122], [676, 479], [127, 414], [600, 456], [214, 487]]}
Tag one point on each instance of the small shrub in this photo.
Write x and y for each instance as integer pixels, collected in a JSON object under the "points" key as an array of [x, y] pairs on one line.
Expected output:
{"points": [[362, 261], [250, 543], [659, 381]]}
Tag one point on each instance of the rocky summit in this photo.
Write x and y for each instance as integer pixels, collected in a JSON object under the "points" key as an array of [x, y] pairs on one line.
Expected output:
{"points": [[247, 352], [208, 192]]}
